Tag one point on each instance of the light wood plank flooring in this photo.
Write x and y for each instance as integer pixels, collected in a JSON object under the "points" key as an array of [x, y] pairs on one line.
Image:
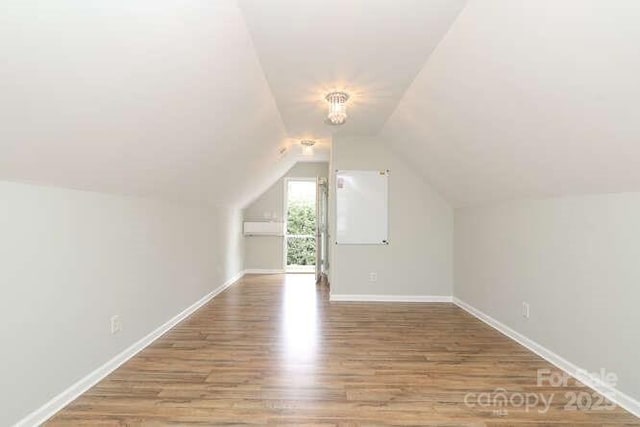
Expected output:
{"points": [[273, 350]]}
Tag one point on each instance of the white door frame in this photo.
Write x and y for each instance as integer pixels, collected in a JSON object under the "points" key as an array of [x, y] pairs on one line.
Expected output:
{"points": [[285, 206]]}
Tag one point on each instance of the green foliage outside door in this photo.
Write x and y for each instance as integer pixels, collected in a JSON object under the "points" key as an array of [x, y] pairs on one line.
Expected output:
{"points": [[301, 230]]}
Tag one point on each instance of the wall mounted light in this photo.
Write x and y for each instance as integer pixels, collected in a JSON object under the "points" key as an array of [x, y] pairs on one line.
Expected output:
{"points": [[337, 107]]}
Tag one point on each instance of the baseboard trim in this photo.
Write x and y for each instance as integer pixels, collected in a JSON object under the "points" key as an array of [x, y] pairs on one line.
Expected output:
{"points": [[263, 271], [49, 409], [621, 399], [389, 298]]}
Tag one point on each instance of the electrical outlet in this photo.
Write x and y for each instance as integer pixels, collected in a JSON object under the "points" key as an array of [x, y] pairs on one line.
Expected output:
{"points": [[373, 277], [116, 324], [525, 310]]}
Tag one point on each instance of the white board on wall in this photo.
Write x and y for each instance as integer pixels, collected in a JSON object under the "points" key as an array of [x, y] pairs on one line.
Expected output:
{"points": [[362, 211]]}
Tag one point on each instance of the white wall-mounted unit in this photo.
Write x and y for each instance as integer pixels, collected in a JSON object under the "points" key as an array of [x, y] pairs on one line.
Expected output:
{"points": [[263, 228]]}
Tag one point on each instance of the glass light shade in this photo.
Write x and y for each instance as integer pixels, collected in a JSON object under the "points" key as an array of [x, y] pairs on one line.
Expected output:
{"points": [[337, 107], [307, 146]]}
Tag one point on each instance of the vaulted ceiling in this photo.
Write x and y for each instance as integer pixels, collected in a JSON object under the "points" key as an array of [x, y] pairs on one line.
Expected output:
{"points": [[194, 100], [528, 98], [154, 98], [371, 49]]}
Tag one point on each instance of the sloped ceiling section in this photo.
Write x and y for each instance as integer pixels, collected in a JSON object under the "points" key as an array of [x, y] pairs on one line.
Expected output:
{"points": [[528, 99], [155, 98], [372, 49]]}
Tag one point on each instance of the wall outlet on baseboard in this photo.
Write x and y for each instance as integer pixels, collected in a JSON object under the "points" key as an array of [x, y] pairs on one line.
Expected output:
{"points": [[373, 277], [525, 310], [116, 324]]}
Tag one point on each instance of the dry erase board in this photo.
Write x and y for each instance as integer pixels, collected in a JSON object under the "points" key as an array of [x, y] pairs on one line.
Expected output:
{"points": [[362, 211]]}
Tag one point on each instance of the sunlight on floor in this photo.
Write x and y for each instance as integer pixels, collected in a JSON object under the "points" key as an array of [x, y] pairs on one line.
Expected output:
{"points": [[299, 325]]}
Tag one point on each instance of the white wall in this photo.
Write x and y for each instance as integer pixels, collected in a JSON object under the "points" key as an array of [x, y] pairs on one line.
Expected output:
{"points": [[266, 252], [575, 260], [418, 259], [71, 259]]}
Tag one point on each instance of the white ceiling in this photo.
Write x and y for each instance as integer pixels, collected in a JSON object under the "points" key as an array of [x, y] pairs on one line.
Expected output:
{"points": [[193, 100], [528, 99], [373, 49], [155, 98]]}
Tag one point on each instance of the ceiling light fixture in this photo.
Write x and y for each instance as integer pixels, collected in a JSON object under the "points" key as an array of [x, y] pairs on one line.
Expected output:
{"points": [[337, 107], [307, 146]]}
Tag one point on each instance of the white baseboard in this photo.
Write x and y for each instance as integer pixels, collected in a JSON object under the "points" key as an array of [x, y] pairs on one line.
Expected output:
{"points": [[50, 408], [390, 298], [263, 271], [623, 400]]}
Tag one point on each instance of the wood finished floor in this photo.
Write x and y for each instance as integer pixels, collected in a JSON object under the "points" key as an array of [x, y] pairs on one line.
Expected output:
{"points": [[273, 350]]}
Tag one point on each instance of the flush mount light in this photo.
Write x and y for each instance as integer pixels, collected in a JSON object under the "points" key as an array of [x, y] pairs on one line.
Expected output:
{"points": [[307, 146], [337, 107], [308, 142]]}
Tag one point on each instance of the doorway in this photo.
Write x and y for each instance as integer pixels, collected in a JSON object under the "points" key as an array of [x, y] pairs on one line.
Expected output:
{"points": [[300, 242], [322, 229]]}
